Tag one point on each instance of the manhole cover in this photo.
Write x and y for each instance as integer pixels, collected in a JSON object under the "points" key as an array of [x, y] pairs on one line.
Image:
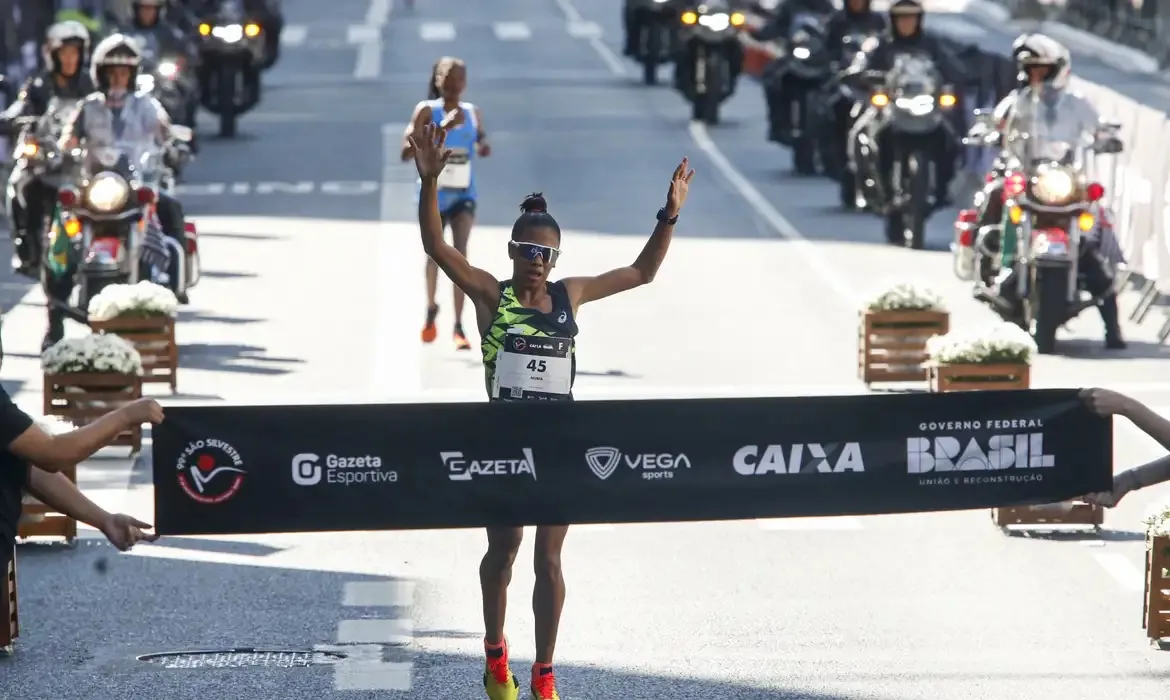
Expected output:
{"points": [[241, 658]]}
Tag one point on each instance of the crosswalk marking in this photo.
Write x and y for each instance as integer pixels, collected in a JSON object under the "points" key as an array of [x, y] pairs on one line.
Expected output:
{"points": [[585, 30], [436, 31], [396, 632], [512, 31], [294, 35], [378, 594], [362, 34]]}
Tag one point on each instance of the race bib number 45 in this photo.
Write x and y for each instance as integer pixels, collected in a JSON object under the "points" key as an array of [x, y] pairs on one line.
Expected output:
{"points": [[531, 365]]}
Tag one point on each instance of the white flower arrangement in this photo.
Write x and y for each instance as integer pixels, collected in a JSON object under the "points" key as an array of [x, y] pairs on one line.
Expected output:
{"points": [[92, 354], [1006, 343], [1158, 521], [142, 300], [906, 297]]}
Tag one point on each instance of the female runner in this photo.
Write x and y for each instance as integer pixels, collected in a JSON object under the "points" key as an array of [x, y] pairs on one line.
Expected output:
{"points": [[463, 123], [506, 311]]}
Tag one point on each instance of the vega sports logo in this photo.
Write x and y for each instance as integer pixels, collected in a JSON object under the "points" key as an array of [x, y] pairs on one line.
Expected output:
{"points": [[210, 471]]}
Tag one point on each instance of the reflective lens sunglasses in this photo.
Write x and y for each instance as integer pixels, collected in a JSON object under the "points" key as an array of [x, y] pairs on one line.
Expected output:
{"points": [[532, 251]]}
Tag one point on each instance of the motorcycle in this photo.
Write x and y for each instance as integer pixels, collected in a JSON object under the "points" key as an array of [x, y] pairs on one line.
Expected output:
{"points": [[233, 53], [911, 109], [1051, 205], [38, 158], [656, 36], [842, 105], [709, 58], [794, 82]]}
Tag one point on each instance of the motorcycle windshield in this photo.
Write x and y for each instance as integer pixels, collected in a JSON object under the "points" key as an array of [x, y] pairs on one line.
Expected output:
{"points": [[148, 45], [913, 75], [56, 115], [1040, 130], [146, 158]]}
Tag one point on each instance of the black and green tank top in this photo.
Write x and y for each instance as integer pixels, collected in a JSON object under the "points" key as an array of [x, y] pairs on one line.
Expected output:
{"points": [[528, 354]]}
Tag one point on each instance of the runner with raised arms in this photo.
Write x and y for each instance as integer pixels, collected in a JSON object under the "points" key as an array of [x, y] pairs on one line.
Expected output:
{"points": [[528, 328]]}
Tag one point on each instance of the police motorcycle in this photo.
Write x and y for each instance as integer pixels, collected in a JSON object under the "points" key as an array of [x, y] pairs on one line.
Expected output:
{"points": [[709, 58], [37, 155], [1051, 207], [657, 35], [232, 51], [794, 80], [104, 223], [842, 103], [910, 107], [169, 79]]}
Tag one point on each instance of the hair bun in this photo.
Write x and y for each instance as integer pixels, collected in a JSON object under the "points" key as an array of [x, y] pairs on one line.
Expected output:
{"points": [[534, 203]]}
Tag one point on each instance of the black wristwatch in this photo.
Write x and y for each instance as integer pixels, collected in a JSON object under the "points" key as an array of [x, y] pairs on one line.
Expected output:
{"points": [[662, 217]]}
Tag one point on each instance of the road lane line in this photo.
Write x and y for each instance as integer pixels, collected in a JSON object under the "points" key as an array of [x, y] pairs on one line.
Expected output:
{"points": [[364, 668], [378, 594], [397, 358], [294, 35], [378, 13], [396, 632], [611, 59], [1127, 575], [831, 276], [436, 31], [512, 31]]}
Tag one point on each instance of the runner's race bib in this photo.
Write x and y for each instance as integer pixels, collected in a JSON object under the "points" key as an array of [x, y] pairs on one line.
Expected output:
{"points": [[531, 367], [456, 175]]}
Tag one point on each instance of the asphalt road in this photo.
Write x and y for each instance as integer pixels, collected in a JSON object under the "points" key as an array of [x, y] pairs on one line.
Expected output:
{"points": [[313, 291]]}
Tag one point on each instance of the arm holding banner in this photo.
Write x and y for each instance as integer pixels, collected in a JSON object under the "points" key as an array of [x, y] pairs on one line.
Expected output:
{"points": [[1109, 403], [51, 452], [61, 494]]}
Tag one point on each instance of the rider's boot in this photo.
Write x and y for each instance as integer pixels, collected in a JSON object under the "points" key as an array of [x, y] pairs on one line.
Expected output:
{"points": [[56, 329], [1111, 317]]}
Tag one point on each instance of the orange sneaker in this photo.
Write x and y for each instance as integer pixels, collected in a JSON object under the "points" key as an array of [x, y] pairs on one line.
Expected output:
{"points": [[429, 331], [461, 342], [544, 683], [498, 679]]}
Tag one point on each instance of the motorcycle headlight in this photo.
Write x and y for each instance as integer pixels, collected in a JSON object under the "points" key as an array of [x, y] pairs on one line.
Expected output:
{"points": [[231, 33], [168, 70], [716, 22], [108, 192], [918, 106], [801, 53], [1055, 186]]}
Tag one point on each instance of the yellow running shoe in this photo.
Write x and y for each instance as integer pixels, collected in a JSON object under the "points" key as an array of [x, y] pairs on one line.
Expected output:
{"points": [[498, 679], [544, 684]]}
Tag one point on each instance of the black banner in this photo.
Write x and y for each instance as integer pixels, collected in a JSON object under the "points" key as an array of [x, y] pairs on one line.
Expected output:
{"points": [[273, 469]]}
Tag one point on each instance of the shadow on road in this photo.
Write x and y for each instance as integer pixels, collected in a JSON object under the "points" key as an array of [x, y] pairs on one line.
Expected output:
{"points": [[245, 359]]}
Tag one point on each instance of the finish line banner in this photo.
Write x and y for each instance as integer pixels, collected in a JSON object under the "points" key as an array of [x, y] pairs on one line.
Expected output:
{"points": [[278, 469]]}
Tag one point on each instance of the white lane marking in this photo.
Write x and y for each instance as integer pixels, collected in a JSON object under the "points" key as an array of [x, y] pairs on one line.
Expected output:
{"points": [[512, 31], [378, 14], [361, 34], [397, 360], [1127, 575], [294, 35], [363, 668], [832, 276], [611, 59], [584, 30], [368, 65], [396, 632], [333, 188], [436, 31], [378, 594], [811, 524]]}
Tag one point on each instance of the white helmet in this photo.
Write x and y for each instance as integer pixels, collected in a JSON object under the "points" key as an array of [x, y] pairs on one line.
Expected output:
{"points": [[1042, 50], [114, 50], [61, 33]]}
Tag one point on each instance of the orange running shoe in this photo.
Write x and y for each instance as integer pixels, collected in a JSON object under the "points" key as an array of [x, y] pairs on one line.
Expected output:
{"points": [[461, 342], [544, 683], [498, 680], [429, 331]]}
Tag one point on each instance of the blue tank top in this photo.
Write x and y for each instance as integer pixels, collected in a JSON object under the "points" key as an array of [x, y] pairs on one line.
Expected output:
{"points": [[457, 181]]}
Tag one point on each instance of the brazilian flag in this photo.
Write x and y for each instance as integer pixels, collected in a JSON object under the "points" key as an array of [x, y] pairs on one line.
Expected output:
{"points": [[60, 260]]}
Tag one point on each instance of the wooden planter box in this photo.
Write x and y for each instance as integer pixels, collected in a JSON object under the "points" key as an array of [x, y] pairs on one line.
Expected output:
{"points": [[1037, 517], [39, 520], [891, 345], [9, 621], [1156, 603], [83, 397], [943, 378], [154, 339]]}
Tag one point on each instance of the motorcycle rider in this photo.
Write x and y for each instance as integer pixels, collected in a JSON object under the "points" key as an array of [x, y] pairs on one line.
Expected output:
{"points": [[66, 47], [1063, 115], [113, 115], [856, 17], [149, 18], [906, 36], [634, 15]]}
